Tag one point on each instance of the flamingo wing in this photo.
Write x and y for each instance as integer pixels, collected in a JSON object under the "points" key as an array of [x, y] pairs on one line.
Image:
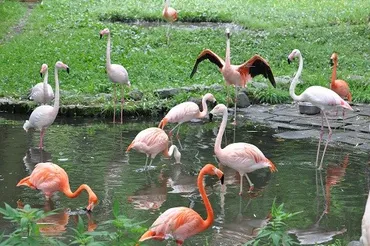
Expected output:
{"points": [[256, 66], [42, 116], [48, 176], [183, 112], [211, 56]]}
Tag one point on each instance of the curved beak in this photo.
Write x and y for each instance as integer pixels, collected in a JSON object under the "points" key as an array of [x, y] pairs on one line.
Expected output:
{"points": [[101, 35], [41, 74], [331, 62], [222, 179], [67, 70], [289, 61], [89, 207]]}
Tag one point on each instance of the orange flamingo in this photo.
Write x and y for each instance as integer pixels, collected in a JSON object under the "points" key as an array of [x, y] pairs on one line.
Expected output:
{"points": [[237, 75], [151, 141], [242, 157], [182, 222], [49, 178], [186, 111], [170, 15]]}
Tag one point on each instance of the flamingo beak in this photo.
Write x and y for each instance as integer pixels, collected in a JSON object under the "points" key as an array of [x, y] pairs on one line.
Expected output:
{"points": [[331, 62], [289, 61], [222, 179], [89, 207], [101, 35], [67, 69], [41, 74]]}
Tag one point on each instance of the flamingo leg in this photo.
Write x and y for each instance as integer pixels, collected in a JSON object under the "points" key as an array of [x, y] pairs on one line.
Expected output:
{"points": [[122, 102], [321, 135], [114, 103], [241, 185], [177, 133], [344, 113], [228, 96], [42, 133], [146, 161], [168, 33], [150, 163], [170, 133], [251, 185], [236, 96], [327, 141]]}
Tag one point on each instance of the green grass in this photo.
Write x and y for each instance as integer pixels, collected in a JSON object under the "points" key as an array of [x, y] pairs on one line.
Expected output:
{"points": [[69, 31], [10, 12]]}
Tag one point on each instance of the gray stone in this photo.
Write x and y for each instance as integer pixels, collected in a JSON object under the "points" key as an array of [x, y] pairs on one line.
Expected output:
{"points": [[136, 95], [298, 134], [166, 93], [284, 119], [285, 126], [106, 96], [283, 79], [308, 108], [356, 77], [242, 100], [259, 85], [216, 87]]}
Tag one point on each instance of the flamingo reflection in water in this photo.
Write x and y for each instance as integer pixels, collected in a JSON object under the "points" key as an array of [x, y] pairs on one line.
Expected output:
{"points": [[34, 156], [56, 224]]}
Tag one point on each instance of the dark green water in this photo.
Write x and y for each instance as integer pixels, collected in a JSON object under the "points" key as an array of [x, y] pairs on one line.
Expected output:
{"points": [[93, 152]]}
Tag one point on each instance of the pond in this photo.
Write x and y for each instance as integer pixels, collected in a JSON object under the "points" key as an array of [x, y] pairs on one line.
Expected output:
{"points": [[93, 152]]}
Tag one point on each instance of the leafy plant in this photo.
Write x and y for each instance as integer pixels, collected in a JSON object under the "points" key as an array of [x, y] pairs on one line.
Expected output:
{"points": [[82, 237], [275, 232]]}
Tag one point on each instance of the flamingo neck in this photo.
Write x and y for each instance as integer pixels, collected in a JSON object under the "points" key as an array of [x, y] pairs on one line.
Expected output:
{"points": [[295, 80], [108, 64], [166, 5], [56, 99], [227, 56], [203, 113], [75, 194], [221, 131], [334, 73], [210, 216], [45, 85]]}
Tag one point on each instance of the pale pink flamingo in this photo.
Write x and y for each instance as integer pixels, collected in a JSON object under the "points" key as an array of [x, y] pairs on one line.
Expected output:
{"points": [[242, 157], [182, 222], [170, 15], [151, 142], [186, 111], [319, 96], [43, 116], [365, 225], [50, 178], [117, 74], [237, 75], [42, 92]]}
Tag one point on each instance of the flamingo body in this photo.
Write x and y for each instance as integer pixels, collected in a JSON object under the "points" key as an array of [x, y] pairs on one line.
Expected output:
{"points": [[242, 157], [42, 93], [339, 86], [182, 222], [50, 178], [118, 74], [169, 14]]}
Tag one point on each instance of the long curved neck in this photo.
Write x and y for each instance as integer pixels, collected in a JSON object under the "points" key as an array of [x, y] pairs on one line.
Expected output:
{"points": [[221, 131], [166, 5], [334, 73], [45, 84], [210, 216], [295, 80], [75, 194], [227, 56], [203, 113], [108, 52], [56, 100]]}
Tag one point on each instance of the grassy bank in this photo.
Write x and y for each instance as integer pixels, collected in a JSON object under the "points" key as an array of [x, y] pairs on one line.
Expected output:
{"points": [[10, 13], [69, 31]]}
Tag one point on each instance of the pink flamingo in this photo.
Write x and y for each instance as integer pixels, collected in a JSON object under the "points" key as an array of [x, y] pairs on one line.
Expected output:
{"points": [[242, 157], [42, 92], [237, 75], [151, 141], [319, 96], [116, 74], [170, 15], [365, 225], [43, 116], [50, 178], [186, 111], [182, 222]]}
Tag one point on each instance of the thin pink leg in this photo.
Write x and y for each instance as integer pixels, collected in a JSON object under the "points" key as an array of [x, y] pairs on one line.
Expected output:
{"points": [[327, 141], [236, 96], [122, 102], [114, 102], [42, 133], [321, 135]]}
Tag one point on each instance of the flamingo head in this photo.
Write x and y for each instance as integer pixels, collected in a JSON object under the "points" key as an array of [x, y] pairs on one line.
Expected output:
{"points": [[61, 65], [227, 33], [103, 32], [293, 55], [43, 70], [333, 59], [212, 170], [93, 200], [220, 109]]}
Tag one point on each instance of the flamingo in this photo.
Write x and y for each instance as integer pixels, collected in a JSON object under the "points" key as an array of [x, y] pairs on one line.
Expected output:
{"points": [[151, 141], [320, 97], [169, 14], [182, 222], [365, 225], [237, 75], [186, 111], [117, 74], [339, 86], [42, 92], [43, 116], [49, 178], [242, 157]]}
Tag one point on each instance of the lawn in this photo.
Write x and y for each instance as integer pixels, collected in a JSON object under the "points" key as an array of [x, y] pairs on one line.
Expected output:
{"points": [[68, 30]]}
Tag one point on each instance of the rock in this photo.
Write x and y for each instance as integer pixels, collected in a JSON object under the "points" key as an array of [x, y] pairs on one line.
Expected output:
{"points": [[106, 96], [298, 134], [136, 95], [259, 85], [216, 87], [166, 93], [308, 108], [242, 100], [283, 79]]}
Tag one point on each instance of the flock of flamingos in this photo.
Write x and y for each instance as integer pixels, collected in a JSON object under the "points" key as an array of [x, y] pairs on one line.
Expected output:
{"points": [[180, 223]]}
